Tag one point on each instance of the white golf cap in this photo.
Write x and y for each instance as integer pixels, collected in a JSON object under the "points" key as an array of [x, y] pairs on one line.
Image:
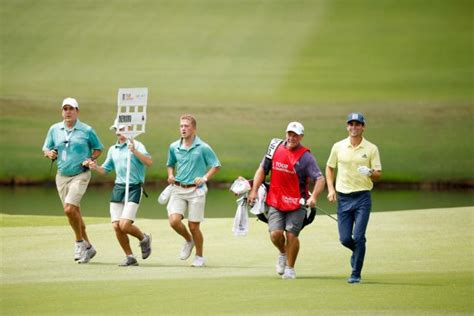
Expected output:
{"points": [[70, 101], [116, 125], [295, 127]]}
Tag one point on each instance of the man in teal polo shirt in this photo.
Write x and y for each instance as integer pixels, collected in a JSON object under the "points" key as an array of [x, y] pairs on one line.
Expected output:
{"points": [[74, 145], [123, 214], [194, 163]]}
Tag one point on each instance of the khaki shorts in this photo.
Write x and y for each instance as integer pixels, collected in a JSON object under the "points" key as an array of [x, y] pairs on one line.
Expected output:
{"points": [[71, 189], [120, 211], [192, 200]]}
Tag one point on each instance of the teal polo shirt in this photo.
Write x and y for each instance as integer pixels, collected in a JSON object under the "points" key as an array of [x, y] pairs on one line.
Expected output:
{"points": [[190, 163], [117, 160], [74, 145]]}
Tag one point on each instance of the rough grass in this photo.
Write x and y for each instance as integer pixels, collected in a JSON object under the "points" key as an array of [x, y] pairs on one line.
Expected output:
{"points": [[418, 262], [240, 136]]}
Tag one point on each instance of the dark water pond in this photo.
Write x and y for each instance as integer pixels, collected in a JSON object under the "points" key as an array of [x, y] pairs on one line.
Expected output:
{"points": [[220, 202]]}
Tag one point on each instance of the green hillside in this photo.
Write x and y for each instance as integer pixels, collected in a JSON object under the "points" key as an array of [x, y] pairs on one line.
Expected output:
{"points": [[246, 68]]}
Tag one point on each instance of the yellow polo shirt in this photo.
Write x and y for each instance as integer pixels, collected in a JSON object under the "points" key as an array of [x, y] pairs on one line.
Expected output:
{"points": [[347, 159]]}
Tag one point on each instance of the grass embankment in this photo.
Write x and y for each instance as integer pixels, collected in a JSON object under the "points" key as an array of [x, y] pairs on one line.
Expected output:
{"points": [[245, 70], [418, 262]]}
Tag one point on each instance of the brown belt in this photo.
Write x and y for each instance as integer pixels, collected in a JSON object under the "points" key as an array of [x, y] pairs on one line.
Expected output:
{"points": [[184, 185]]}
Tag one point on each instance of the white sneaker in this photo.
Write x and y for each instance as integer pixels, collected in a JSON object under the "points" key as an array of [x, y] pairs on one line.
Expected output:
{"points": [[198, 262], [186, 250], [79, 250], [289, 274], [145, 245], [88, 255], [129, 261], [281, 264]]}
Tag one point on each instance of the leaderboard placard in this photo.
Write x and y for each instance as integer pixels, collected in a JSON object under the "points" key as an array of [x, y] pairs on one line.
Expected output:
{"points": [[131, 110]]}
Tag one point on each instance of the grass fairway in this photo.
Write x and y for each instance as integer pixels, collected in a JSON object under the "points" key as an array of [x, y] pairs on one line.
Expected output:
{"points": [[418, 262]]}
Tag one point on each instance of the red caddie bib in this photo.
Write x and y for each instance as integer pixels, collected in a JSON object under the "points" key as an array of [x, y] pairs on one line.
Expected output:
{"points": [[284, 193]]}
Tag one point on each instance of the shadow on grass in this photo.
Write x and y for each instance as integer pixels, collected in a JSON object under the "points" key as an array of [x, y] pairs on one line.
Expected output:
{"points": [[188, 265], [400, 283], [145, 264], [98, 263], [318, 277], [237, 267], [365, 282], [341, 279], [140, 265]]}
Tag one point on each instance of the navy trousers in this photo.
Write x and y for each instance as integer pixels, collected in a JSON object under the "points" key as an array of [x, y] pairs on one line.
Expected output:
{"points": [[353, 211]]}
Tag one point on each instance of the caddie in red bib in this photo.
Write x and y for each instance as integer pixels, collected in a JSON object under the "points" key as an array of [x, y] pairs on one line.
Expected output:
{"points": [[292, 168], [285, 194]]}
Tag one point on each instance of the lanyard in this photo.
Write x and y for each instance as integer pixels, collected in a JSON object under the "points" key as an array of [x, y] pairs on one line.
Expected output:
{"points": [[67, 136]]}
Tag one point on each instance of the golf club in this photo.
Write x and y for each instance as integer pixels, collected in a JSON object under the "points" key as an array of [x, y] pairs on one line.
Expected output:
{"points": [[52, 162], [326, 213]]}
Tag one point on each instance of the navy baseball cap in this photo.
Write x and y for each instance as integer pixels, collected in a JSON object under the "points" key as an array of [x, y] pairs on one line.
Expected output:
{"points": [[358, 117]]}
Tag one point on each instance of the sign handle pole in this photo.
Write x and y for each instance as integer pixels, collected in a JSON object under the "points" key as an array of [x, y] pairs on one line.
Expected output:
{"points": [[127, 177]]}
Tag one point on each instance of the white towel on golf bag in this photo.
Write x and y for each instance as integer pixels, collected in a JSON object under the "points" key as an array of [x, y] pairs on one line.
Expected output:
{"points": [[241, 219], [260, 207], [164, 197], [240, 186]]}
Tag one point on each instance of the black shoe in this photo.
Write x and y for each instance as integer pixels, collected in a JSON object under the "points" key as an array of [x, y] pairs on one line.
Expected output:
{"points": [[353, 279]]}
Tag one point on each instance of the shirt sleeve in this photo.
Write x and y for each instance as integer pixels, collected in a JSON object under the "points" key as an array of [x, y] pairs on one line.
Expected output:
{"points": [[141, 148], [171, 157], [210, 157], [49, 141], [94, 140], [312, 170], [332, 160], [375, 160], [108, 164]]}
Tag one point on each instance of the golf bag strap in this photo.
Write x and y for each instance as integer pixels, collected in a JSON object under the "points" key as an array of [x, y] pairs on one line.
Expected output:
{"points": [[272, 147], [274, 143]]}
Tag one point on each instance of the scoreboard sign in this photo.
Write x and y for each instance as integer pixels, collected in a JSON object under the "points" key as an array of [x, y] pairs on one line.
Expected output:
{"points": [[131, 110]]}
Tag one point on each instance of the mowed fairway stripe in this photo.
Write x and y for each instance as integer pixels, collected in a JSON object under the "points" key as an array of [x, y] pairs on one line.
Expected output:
{"points": [[417, 261]]}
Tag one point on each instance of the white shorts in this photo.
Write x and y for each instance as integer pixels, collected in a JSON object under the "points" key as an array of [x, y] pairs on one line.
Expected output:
{"points": [[119, 211], [192, 200]]}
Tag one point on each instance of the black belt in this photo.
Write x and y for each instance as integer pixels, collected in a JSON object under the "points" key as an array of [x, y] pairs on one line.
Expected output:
{"points": [[184, 185]]}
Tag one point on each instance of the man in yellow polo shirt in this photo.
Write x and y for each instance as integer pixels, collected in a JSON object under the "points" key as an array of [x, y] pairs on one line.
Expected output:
{"points": [[358, 165]]}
